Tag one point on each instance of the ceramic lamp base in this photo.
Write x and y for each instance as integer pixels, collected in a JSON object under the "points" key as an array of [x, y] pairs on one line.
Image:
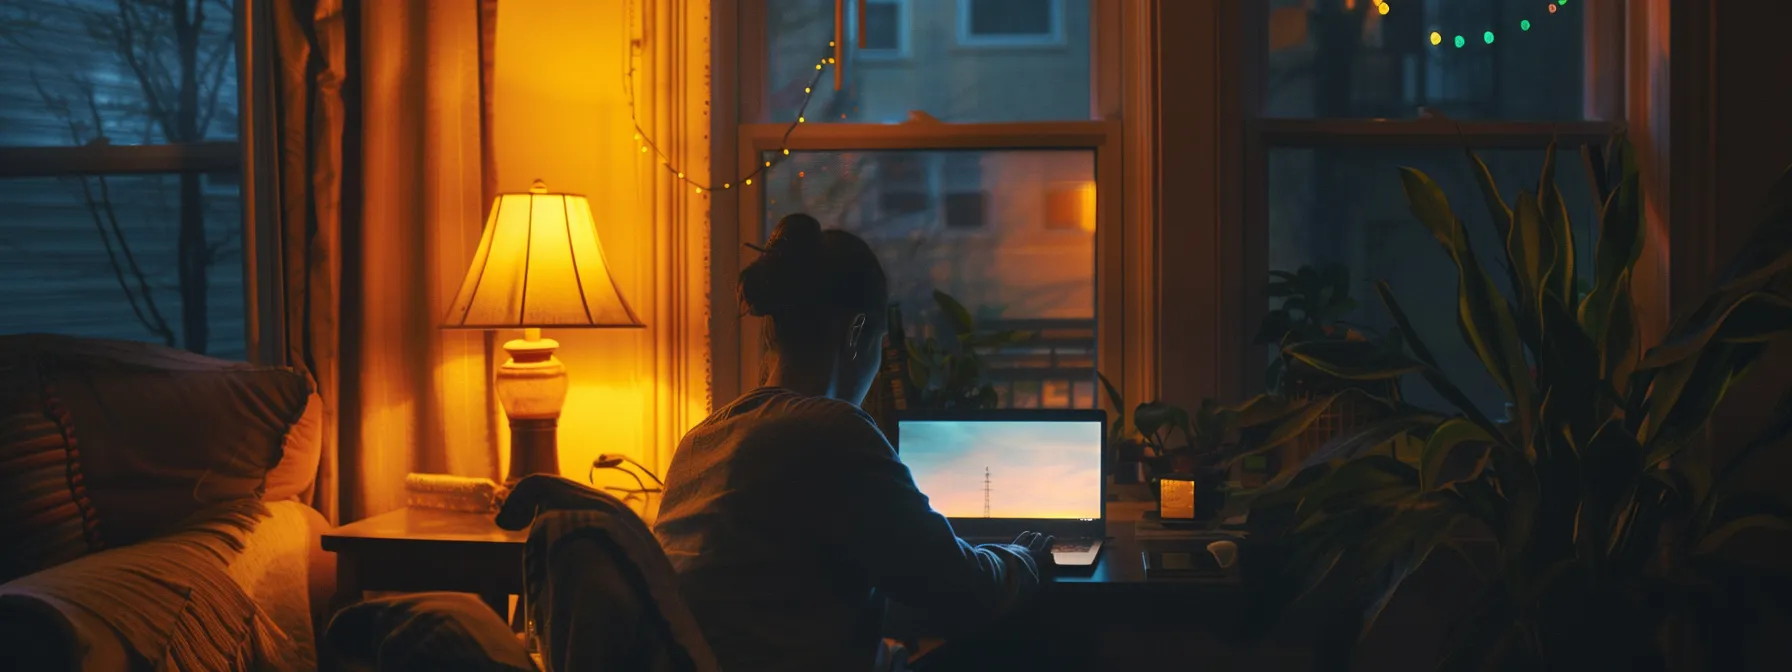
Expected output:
{"points": [[532, 387], [534, 448]]}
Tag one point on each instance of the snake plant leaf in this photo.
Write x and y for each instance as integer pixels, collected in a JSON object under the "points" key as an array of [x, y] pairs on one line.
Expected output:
{"points": [[1714, 542], [1432, 373], [1619, 340], [1525, 246], [1370, 480], [1721, 484], [1611, 467], [1432, 209], [1452, 434], [1496, 206], [1754, 318], [1361, 441], [1399, 547], [1560, 230], [1709, 380], [1117, 428], [1487, 322], [1569, 364], [1352, 360], [1620, 245]]}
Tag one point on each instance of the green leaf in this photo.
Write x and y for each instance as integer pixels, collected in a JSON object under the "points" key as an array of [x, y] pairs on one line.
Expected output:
{"points": [[1400, 546], [1355, 443], [1352, 360], [1723, 482], [1526, 247], [1117, 426], [1487, 321], [962, 324], [1715, 541], [1621, 239], [1365, 481], [1611, 467], [1431, 208], [1432, 373], [1707, 383], [1754, 318], [1620, 342], [1153, 417], [1569, 364], [1496, 205], [1557, 224], [1444, 441]]}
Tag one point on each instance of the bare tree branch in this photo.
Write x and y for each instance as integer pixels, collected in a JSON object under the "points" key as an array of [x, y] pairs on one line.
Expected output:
{"points": [[213, 71]]}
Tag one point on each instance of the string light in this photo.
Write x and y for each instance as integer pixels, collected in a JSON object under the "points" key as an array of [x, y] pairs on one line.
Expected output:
{"points": [[647, 143], [1437, 38], [1382, 7], [1460, 41], [1487, 37], [1524, 25]]}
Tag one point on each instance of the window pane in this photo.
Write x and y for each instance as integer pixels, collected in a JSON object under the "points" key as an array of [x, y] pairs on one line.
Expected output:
{"points": [[992, 229], [1347, 207], [76, 253], [74, 72], [1492, 59], [982, 61]]}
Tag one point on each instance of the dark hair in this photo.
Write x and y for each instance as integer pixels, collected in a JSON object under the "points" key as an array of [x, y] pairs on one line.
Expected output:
{"points": [[806, 275]]}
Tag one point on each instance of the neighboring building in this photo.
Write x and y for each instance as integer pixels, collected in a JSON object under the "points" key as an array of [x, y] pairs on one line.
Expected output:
{"points": [[1011, 234]]}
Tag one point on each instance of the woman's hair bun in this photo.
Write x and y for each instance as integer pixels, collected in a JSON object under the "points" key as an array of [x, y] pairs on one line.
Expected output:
{"points": [[783, 277]]}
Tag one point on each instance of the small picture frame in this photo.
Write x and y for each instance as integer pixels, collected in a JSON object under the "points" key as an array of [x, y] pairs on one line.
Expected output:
{"points": [[1176, 497]]}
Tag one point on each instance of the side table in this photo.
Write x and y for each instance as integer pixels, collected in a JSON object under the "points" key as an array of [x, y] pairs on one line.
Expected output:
{"points": [[420, 550]]}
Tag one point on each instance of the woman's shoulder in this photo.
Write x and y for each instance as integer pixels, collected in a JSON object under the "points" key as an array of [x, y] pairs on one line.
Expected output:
{"points": [[791, 419]]}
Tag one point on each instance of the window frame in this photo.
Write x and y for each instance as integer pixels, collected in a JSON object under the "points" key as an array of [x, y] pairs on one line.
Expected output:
{"points": [[1604, 103], [260, 336], [967, 38], [1125, 255], [904, 29]]}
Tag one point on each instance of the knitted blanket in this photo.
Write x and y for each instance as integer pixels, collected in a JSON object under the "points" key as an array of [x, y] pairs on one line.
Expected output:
{"points": [[172, 599]]}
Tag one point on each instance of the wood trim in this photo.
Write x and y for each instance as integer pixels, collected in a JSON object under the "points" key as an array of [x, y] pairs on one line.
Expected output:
{"points": [[1273, 133], [203, 157], [1032, 135], [263, 302], [1605, 36], [1692, 139], [1138, 199], [1192, 310], [1250, 156], [727, 80]]}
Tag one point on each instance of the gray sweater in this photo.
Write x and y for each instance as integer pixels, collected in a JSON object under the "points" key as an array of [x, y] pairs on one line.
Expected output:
{"points": [[789, 519]]}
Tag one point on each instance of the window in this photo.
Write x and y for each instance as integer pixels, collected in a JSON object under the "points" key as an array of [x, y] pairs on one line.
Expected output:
{"points": [[886, 29], [1010, 23], [946, 163], [1353, 89], [119, 172]]}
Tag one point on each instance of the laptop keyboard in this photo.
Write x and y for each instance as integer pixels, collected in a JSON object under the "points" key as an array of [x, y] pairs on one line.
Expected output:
{"points": [[1072, 545]]}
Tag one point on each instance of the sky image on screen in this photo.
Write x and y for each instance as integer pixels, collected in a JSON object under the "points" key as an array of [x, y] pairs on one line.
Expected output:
{"points": [[1035, 469]]}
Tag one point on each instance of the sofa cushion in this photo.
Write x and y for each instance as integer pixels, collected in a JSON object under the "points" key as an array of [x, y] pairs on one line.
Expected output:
{"points": [[45, 516], [165, 433], [301, 452]]}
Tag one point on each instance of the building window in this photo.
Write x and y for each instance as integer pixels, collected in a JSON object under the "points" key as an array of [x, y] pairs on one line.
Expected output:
{"points": [[1350, 93], [1010, 23], [886, 29], [120, 173], [955, 199]]}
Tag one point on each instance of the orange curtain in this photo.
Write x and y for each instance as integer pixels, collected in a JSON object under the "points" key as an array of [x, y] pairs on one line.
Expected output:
{"points": [[383, 181]]}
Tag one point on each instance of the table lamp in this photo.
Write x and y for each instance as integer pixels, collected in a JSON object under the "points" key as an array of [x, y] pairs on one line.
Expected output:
{"points": [[539, 264]]}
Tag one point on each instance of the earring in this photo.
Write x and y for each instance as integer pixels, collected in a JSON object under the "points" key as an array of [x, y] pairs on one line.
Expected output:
{"points": [[852, 338]]}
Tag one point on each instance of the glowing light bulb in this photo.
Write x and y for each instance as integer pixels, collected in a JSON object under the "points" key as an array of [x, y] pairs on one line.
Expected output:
{"points": [[1460, 41], [726, 185], [830, 43], [802, 173], [768, 164], [1487, 37], [1437, 38], [643, 149], [807, 89], [817, 66], [637, 136], [800, 120], [699, 190], [681, 176], [1524, 25], [1552, 9], [787, 152], [749, 182], [1382, 7]]}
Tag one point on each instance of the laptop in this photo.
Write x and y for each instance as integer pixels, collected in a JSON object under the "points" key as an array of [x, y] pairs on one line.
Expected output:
{"points": [[997, 473]]}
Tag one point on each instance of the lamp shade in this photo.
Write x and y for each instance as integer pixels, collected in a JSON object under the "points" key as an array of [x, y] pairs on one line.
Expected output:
{"points": [[539, 264]]}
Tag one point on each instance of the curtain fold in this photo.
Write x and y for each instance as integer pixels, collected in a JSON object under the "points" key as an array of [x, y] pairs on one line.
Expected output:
{"points": [[382, 167]]}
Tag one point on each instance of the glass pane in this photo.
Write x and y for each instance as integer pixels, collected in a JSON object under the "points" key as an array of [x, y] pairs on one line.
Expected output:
{"points": [[1468, 59], [1347, 207], [957, 60], [76, 254], [76, 72], [1010, 234]]}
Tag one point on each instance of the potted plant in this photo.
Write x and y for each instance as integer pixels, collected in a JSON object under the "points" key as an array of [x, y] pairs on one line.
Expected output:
{"points": [[950, 374], [1200, 445], [1610, 521]]}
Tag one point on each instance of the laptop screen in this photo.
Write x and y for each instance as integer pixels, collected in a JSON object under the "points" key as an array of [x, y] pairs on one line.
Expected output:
{"points": [[1035, 469]]}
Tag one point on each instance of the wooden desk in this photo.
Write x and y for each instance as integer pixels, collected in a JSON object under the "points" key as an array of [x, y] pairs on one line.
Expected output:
{"points": [[418, 550]]}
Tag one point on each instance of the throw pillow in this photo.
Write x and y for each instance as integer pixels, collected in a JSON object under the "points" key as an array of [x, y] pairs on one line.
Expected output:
{"points": [[45, 516]]}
